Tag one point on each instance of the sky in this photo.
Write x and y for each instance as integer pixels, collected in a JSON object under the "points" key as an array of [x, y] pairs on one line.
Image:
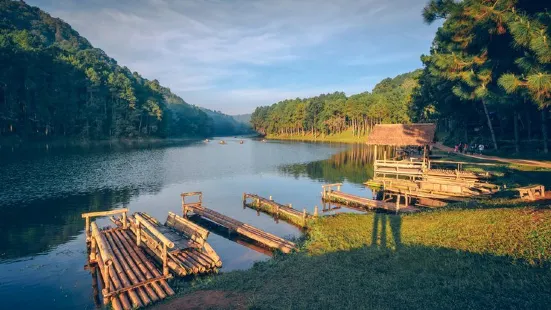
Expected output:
{"points": [[235, 55]]}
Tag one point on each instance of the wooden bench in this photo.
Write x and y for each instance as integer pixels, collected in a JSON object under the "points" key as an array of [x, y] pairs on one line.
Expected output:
{"points": [[531, 192]]}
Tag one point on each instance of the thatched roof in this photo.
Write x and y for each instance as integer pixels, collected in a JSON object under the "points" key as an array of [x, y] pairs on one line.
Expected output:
{"points": [[402, 135]]}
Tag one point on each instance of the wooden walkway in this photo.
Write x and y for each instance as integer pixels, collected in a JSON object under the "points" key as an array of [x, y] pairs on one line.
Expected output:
{"points": [[191, 253], [329, 194], [284, 212], [246, 230], [129, 279]]}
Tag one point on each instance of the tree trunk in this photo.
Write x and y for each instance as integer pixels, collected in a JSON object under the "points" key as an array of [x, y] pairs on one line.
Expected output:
{"points": [[490, 125], [515, 122], [544, 129], [529, 125]]}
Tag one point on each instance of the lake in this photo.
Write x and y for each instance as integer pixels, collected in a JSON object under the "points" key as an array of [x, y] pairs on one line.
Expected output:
{"points": [[45, 190]]}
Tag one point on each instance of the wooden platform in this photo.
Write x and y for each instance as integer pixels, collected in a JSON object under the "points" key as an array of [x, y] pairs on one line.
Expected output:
{"points": [[284, 212], [191, 253], [532, 192], [265, 238], [329, 194], [129, 279]]}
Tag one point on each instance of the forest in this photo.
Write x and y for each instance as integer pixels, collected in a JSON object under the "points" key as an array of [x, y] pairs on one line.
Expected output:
{"points": [[389, 102], [55, 84], [486, 80]]}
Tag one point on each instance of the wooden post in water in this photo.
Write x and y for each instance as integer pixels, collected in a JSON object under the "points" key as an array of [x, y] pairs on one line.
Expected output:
{"points": [[93, 245], [304, 217], [315, 211], [271, 198], [124, 224], [87, 227], [291, 205]]}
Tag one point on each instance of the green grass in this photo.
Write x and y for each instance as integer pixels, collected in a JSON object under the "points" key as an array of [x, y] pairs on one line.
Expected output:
{"points": [[344, 137], [488, 255]]}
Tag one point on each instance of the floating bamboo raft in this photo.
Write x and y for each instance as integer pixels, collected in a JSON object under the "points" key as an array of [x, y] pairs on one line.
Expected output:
{"points": [[329, 194], [129, 279], [284, 212], [191, 253], [246, 230]]}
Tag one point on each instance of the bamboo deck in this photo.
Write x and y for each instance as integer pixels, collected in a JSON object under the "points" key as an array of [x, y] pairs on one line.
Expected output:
{"points": [[284, 212], [260, 236], [329, 194], [191, 253], [129, 279]]}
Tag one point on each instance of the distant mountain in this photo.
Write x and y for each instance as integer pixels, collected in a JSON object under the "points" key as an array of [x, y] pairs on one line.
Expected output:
{"points": [[243, 118], [226, 125], [54, 83]]}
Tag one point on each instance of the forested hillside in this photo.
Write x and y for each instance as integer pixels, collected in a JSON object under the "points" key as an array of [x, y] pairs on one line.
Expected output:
{"points": [[227, 125], [54, 83], [389, 102]]}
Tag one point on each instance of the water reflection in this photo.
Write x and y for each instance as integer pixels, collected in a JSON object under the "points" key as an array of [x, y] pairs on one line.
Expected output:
{"points": [[355, 165], [42, 224]]}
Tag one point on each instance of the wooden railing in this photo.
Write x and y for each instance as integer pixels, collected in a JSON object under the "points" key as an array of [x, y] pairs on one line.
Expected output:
{"points": [[166, 243]]}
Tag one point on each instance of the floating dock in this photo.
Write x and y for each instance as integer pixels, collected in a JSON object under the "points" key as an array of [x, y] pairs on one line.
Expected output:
{"points": [[329, 194], [281, 211], [251, 232], [191, 253], [129, 278]]}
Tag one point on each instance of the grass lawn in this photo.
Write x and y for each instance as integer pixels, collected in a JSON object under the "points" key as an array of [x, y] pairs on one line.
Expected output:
{"points": [[344, 137], [484, 256]]}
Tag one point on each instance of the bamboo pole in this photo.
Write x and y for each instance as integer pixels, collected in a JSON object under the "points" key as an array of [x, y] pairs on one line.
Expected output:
{"points": [[130, 276], [133, 267], [151, 268], [145, 271], [125, 281]]}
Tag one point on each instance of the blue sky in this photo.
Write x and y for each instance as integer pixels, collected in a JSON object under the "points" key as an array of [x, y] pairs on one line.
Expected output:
{"points": [[236, 55]]}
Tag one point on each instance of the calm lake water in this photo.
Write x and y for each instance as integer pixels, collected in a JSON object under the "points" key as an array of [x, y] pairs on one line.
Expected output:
{"points": [[44, 191]]}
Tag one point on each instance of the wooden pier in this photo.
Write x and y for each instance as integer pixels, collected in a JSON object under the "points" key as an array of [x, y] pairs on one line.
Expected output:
{"points": [[329, 194], [191, 253], [129, 279], [265, 238], [281, 211]]}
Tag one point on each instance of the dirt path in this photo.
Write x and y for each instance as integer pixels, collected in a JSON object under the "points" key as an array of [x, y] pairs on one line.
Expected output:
{"points": [[206, 300], [525, 162]]}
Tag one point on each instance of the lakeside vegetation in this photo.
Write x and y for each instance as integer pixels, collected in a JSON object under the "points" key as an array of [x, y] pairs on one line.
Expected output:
{"points": [[55, 85]]}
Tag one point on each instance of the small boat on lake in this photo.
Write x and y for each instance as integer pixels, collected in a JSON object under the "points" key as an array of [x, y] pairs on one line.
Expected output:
{"points": [[241, 142], [222, 142]]}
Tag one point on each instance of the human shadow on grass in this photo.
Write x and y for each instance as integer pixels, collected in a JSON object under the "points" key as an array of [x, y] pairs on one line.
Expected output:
{"points": [[413, 277]]}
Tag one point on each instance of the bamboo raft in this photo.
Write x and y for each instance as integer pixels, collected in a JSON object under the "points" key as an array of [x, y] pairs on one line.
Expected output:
{"points": [[191, 253], [129, 279], [329, 194], [243, 229], [284, 212]]}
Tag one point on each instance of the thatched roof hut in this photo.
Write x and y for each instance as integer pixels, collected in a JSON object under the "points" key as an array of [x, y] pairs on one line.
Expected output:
{"points": [[421, 134]]}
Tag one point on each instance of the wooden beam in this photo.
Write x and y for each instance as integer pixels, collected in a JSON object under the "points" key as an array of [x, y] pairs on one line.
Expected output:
{"points": [[104, 213]]}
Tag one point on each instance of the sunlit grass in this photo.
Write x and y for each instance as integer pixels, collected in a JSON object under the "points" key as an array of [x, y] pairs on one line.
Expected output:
{"points": [[346, 136]]}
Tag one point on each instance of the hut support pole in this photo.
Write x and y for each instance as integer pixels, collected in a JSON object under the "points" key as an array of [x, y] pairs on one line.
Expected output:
{"points": [[375, 154]]}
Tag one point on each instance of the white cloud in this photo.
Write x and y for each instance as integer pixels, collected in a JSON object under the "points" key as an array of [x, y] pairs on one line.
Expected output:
{"points": [[196, 45]]}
